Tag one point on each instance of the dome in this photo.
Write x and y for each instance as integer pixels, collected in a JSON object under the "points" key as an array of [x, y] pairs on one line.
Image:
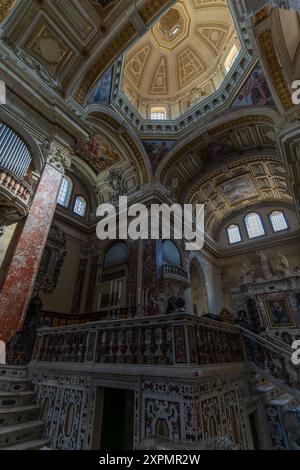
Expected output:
{"points": [[182, 60]]}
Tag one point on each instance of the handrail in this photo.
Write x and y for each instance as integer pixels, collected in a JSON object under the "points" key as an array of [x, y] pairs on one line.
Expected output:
{"points": [[175, 339]]}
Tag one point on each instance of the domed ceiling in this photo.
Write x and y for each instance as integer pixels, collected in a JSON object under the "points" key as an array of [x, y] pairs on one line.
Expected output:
{"points": [[183, 59]]}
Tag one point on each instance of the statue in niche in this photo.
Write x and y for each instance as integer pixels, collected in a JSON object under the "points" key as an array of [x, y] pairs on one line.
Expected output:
{"points": [[265, 265], [247, 273], [284, 265]]}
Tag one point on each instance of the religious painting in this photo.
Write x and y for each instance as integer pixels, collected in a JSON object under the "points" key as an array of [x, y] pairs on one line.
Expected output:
{"points": [[101, 91], [238, 189], [179, 343], [157, 150], [221, 147], [278, 310], [97, 152], [255, 91]]}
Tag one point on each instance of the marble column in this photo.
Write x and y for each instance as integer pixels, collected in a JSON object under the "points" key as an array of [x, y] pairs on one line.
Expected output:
{"points": [[21, 274], [152, 280]]}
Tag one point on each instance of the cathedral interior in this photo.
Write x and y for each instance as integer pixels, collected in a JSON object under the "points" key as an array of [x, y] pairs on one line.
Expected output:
{"points": [[139, 343]]}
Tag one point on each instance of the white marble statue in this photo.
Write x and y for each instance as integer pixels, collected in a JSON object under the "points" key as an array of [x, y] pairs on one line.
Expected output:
{"points": [[247, 273], [284, 265], [265, 265]]}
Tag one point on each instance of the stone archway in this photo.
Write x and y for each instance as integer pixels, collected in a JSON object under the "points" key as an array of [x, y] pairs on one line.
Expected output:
{"points": [[198, 289]]}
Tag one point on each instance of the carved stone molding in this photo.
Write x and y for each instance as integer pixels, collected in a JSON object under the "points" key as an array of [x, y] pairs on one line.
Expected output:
{"points": [[5, 8], [55, 156]]}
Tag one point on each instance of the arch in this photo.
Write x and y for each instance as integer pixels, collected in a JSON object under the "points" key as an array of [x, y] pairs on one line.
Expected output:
{"points": [[171, 253], [116, 254], [254, 225], [198, 289]]}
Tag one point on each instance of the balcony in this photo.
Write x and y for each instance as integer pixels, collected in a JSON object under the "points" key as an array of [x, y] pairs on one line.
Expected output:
{"points": [[14, 191], [174, 272], [179, 339]]}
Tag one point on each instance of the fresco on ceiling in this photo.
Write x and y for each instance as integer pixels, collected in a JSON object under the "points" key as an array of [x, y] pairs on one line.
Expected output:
{"points": [[221, 147], [101, 91], [157, 150], [97, 152], [255, 91], [238, 189]]}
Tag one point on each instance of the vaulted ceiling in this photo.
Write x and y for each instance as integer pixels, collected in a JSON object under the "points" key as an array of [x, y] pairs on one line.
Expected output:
{"points": [[182, 59]]}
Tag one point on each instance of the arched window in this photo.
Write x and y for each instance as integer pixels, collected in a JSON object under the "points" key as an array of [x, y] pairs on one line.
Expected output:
{"points": [[254, 225], [278, 221], [171, 254], [80, 206], [65, 192], [234, 235], [117, 254]]}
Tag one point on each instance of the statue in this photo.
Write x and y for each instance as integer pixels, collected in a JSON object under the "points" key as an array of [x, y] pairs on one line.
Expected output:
{"points": [[265, 265], [284, 265], [247, 273], [160, 303]]}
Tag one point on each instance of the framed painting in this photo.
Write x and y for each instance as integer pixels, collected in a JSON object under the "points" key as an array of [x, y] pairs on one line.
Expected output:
{"points": [[238, 189], [278, 310]]}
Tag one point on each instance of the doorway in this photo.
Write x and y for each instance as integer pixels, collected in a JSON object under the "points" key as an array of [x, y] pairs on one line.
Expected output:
{"points": [[117, 419]]}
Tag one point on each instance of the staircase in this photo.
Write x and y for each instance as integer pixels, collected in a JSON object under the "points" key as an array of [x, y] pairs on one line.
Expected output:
{"points": [[20, 425], [272, 359], [276, 404]]}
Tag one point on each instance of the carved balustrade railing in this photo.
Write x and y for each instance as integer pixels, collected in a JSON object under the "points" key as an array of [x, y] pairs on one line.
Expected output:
{"points": [[177, 339], [273, 358], [13, 187], [174, 271]]}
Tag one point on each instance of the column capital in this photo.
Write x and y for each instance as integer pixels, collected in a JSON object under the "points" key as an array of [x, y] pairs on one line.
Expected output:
{"points": [[56, 156]]}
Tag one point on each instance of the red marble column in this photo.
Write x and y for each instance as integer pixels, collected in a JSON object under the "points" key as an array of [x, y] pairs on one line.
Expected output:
{"points": [[19, 282]]}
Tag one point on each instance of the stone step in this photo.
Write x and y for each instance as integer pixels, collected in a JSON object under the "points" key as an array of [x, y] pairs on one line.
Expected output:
{"points": [[13, 371], [24, 432], [36, 444], [10, 399], [15, 384], [282, 400], [268, 390], [19, 414]]}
